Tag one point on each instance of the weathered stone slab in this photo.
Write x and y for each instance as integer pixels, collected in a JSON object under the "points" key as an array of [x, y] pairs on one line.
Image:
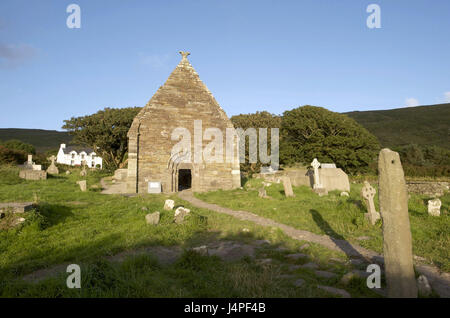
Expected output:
{"points": [[287, 187], [169, 204], [434, 207], [83, 185], [180, 214], [397, 241], [334, 179], [16, 207], [33, 174], [262, 193], [152, 218]]}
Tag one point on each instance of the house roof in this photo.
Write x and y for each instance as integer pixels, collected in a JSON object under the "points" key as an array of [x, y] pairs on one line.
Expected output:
{"points": [[78, 150]]}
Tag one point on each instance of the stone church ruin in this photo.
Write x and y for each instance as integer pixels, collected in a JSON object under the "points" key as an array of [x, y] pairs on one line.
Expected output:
{"points": [[152, 165]]}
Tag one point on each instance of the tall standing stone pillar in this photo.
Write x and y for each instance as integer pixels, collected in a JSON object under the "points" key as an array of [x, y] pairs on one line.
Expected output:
{"points": [[133, 152], [397, 241]]}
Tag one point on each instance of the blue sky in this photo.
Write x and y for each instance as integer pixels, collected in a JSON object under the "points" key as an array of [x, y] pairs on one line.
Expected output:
{"points": [[252, 55]]}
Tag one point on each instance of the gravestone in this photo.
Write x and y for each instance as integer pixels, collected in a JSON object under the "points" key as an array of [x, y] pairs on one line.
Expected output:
{"points": [[397, 241], [169, 204], [152, 218], [53, 169], [83, 172], [262, 193], [180, 214], [287, 187], [316, 164], [368, 193], [434, 207], [154, 187], [28, 174], [318, 187], [328, 165], [83, 185], [16, 207]]}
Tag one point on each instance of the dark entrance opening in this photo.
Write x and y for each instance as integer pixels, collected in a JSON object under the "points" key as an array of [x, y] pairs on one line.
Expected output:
{"points": [[184, 179]]}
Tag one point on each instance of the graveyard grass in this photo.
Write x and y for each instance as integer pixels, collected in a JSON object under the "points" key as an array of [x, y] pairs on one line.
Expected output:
{"points": [[342, 217], [70, 226]]}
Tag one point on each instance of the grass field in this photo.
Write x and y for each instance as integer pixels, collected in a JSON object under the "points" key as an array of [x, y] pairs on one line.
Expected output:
{"points": [[70, 226], [342, 217]]}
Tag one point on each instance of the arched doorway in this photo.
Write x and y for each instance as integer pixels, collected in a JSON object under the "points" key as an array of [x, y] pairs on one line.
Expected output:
{"points": [[180, 172], [184, 179]]}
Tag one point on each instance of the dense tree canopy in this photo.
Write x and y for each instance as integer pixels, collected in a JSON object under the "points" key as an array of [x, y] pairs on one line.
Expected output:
{"points": [[14, 144], [105, 131], [257, 120], [314, 132]]}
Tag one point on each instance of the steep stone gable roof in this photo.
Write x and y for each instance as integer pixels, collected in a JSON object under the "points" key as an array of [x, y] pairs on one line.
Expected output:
{"points": [[182, 89]]}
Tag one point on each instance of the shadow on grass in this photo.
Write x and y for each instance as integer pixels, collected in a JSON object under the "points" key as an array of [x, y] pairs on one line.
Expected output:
{"points": [[338, 239], [54, 214]]}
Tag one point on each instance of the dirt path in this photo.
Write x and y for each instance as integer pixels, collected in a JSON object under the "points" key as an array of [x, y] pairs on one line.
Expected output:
{"points": [[113, 188], [440, 281]]}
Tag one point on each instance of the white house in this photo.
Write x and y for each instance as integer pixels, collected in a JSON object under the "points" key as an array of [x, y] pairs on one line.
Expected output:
{"points": [[75, 157]]}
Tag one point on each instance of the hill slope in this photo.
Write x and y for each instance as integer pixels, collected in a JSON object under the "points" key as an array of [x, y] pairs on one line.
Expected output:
{"points": [[42, 140], [422, 125]]}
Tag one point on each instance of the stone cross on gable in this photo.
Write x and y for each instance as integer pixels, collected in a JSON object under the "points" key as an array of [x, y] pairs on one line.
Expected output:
{"points": [[184, 55], [316, 164]]}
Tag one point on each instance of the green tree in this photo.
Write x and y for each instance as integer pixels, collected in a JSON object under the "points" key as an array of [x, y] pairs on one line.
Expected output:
{"points": [[105, 132], [14, 144], [314, 132], [257, 120]]}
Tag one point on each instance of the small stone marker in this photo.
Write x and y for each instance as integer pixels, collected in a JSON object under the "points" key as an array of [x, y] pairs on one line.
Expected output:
{"points": [[152, 218], [368, 193], [287, 186], [180, 214], [434, 207], [262, 193], [83, 185], [169, 204], [154, 187], [67, 172], [397, 241], [202, 250], [18, 221], [344, 194], [53, 169], [423, 286]]}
